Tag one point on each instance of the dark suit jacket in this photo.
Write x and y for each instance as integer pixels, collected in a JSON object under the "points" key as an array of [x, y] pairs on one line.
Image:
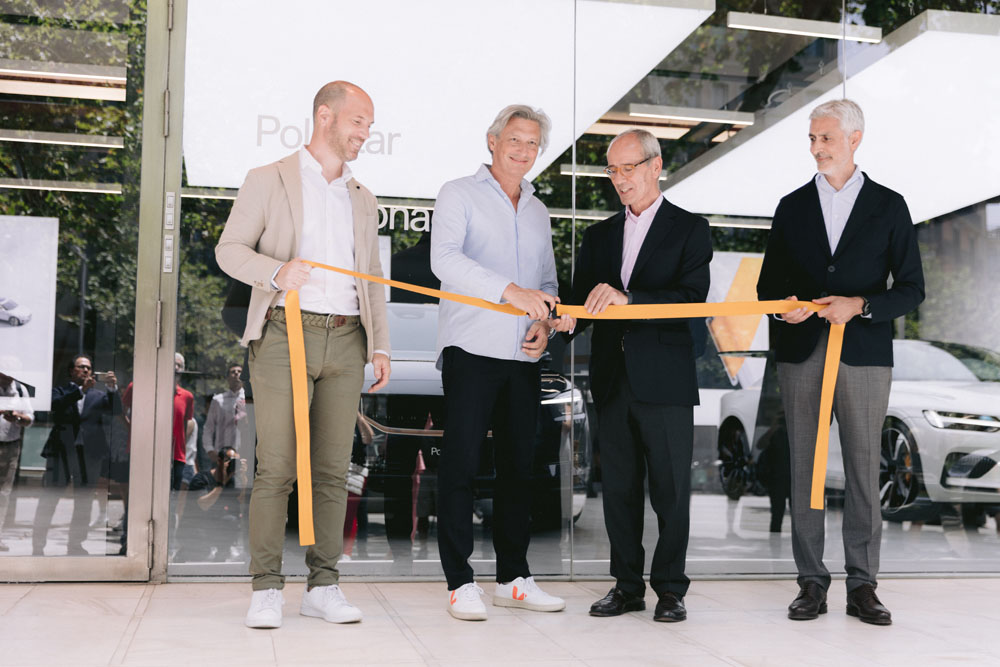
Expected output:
{"points": [[878, 241], [94, 423], [672, 267]]}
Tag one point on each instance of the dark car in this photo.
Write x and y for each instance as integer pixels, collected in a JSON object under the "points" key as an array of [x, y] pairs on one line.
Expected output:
{"points": [[406, 420]]}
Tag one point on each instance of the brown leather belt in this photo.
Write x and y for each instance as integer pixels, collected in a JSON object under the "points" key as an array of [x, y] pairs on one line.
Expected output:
{"points": [[331, 321]]}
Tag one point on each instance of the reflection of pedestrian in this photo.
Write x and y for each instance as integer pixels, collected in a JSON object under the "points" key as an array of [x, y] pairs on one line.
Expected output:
{"points": [[183, 429], [13, 421], [225, 412], [836, 241], [212, 527], [77, 451]]}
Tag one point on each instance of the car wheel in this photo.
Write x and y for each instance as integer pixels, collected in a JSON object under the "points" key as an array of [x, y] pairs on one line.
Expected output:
{"points": [[899, 478], [14, 322], [735, 467]]}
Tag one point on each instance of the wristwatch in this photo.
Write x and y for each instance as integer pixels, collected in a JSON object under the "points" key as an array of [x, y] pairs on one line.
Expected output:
{"points": [[866, 307]]}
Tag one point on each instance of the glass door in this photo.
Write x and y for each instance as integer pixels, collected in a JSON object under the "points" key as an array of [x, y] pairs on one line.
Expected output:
{"points": [[80, 206]]}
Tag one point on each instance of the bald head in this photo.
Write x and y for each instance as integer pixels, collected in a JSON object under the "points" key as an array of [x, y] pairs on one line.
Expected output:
{"points": [[332, 95]]}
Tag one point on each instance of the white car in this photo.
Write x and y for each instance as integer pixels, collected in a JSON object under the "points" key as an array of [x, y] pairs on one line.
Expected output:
{"points": [[940, 439], [13, 314]]}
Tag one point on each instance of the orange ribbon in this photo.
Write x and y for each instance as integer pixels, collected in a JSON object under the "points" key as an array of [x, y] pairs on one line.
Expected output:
{"points": [[300, 401]]}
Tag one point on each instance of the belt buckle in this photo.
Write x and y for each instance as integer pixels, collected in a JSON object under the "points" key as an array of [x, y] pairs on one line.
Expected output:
{"points": [[327, 325]]}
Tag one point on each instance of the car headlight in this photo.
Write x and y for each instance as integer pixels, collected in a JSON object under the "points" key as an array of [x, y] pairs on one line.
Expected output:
{"points": [[575, 398], [961, 421]]}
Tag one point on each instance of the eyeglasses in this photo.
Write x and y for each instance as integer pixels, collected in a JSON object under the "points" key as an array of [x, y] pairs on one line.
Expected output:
{"points": [[82, 367], [626, 169]]}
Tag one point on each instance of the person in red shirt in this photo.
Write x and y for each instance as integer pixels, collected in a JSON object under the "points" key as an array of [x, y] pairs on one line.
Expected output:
{"points": [[183, 423]]}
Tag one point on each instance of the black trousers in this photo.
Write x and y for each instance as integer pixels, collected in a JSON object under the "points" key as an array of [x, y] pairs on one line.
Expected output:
{"points": [[637, 437], [482, 393]]}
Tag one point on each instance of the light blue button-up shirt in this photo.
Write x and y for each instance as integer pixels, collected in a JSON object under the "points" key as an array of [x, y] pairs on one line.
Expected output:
{"points": [[838, 204], [479, 245]]}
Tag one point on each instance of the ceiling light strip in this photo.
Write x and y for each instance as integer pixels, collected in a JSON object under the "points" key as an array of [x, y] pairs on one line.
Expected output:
{"points": [[803, 27], [61, 139], [690, 114], [70, 90], [60, 186]]}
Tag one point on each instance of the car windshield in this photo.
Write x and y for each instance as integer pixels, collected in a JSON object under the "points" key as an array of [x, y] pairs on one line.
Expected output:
{"points": [[412, 327], [944, 362], [8, 304]]}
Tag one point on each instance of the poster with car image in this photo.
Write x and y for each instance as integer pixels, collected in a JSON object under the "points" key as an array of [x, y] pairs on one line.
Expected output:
{"points": [[28, 255]]}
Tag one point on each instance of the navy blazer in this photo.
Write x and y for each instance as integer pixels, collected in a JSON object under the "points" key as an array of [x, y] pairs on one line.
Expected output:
{"points": [[878, 241], [94, 422], [672, 267]]}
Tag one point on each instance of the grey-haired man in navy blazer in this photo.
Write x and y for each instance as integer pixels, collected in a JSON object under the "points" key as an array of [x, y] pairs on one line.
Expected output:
{"points": [[836, 241]]}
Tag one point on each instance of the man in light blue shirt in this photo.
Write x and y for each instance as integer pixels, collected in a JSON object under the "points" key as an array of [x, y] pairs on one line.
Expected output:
{"points": [[492, 239]]}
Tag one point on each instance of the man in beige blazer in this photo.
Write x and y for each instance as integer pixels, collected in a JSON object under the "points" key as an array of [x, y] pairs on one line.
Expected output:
{"points": [[308, 206]]}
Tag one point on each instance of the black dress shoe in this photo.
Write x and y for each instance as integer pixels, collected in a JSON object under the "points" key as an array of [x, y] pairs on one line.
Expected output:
{"points": [[670, 608], [864, 604], [809, 604], [616, 603]]}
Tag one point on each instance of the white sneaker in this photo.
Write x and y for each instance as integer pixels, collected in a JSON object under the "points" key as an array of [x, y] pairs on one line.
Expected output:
{"points": [[329, 603], [525, 594], [465, 604], [265, 609]]}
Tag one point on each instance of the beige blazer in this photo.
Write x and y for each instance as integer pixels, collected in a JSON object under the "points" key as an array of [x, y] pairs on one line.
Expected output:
{"points": [[263, 231]]}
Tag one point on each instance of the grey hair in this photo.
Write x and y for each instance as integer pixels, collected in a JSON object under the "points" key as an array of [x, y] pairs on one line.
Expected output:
{"points": [[508, 113], [650, 144], [851, 118]]}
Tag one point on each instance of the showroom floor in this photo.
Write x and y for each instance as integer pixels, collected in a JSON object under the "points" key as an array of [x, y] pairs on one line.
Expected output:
{"points": [[936, 622]]}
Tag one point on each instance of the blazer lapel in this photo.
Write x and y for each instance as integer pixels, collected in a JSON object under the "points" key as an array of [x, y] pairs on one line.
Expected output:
{"points": [[654, 236], [816, 220], [617, 243], [863, 206], [360, 213], [291, 177]]}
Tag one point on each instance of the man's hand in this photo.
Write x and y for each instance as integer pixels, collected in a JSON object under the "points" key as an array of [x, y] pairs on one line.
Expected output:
{"points": [[88, 383], [536, 339], [840, 309], [110, 381], [536, 303], [797, 315], [562, 323], [381, 367], [602, 296], [15, 417], [292, 275]]}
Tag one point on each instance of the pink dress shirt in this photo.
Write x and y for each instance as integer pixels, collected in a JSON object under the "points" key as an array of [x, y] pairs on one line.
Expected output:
{"points": [[636, 227]]}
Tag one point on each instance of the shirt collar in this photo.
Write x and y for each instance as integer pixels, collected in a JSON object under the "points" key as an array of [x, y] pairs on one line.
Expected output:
{"points": [[308, 163], [484, 174], [647, 215], [856, 177]]}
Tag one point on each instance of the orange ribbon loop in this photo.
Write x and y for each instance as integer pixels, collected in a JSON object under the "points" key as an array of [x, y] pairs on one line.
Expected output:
{"points": [[300, 402]]}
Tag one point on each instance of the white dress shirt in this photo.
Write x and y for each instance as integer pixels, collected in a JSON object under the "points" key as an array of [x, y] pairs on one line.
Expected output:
{"points": [[838, 204], [222, 424], [327, 238]]}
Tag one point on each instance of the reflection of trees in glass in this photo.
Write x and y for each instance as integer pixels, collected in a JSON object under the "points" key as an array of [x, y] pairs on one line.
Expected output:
{"points": [[101, 229], [208, 347]]}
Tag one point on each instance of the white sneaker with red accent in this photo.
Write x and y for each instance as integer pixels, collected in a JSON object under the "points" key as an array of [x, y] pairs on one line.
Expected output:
{"points": [[465, 604], [525, 594]]}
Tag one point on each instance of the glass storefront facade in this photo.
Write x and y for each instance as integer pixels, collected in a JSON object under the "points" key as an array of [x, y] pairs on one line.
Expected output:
{"points": [[114, 195]]}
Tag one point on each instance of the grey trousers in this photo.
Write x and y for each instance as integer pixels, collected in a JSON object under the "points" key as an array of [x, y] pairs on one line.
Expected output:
{"points": [[335, 363], [860, 403]]}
